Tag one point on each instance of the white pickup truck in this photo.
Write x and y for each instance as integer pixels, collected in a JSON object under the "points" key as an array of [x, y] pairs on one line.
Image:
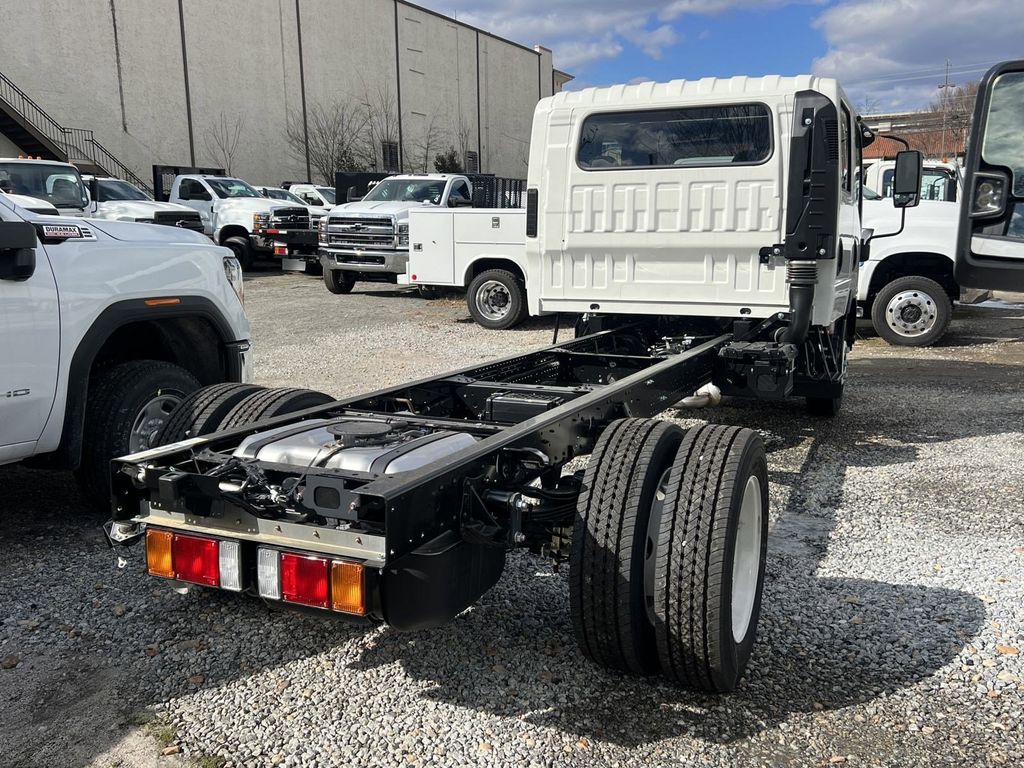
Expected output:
{"points": [[106, 327], [120, 200], [245, 221], [368, 240]]}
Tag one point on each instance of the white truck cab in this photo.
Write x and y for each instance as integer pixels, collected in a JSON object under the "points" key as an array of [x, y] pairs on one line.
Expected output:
{"points": [[106, 326], [245, 221], [59, 184], [940, 180], [369, 239], [315, 195], [120, 200]]}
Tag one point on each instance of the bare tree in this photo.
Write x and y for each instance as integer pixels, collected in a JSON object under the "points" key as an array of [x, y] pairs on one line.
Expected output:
{"points": [[463, 139], [380, 112], [221, 140], [336, 134], [427, 140], [951, 118]]}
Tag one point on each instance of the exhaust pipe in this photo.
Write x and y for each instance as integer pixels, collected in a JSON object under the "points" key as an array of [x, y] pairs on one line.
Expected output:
{"points": [[802, 277], [707, 395]]}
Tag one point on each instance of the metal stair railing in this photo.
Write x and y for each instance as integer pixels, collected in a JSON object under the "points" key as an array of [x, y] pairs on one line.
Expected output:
{"points": [[75, 144]]}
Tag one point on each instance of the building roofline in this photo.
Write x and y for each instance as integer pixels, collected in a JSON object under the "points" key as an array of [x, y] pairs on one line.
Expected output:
{"points": [[440, 15]]}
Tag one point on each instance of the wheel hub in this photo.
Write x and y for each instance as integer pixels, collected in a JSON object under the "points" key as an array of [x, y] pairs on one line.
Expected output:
{"points": [[493, 300], [746, 563], [911, 313], [150, 420]]}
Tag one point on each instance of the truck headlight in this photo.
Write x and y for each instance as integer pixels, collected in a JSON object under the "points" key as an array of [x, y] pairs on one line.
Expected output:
{"points": [[403, 235], [260, 221], [989, 197], [321, 228], [233, 272]]}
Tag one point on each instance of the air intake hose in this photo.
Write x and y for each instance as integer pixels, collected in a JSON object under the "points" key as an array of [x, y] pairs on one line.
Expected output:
{"points": [[802, 277]]}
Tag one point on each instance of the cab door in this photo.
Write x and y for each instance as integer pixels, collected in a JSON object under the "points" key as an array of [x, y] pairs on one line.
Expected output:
{"points": [[29, 338], [990, 251]]}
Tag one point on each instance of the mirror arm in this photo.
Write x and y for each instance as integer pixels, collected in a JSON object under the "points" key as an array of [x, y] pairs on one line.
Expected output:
{"points": [[903, 223]]}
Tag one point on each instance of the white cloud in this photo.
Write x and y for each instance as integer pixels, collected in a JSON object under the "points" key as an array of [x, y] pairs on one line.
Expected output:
{"points": [[891, 53], [581, 32]]}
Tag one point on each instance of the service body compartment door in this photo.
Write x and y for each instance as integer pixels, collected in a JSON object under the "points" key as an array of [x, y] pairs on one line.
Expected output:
{"points": [[669, 207], [990, 252], [431, 246]]}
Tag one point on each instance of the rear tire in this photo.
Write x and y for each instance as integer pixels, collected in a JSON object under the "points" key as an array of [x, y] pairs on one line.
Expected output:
{"points": [[339, 281], [612, 543], [710, 557], [128, 405], [497, 299], [202, 412], [912, 311], [242, 249], [268, 403]]}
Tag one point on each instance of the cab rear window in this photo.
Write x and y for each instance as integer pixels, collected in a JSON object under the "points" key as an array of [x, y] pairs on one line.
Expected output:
{"points": [[738, 134]]}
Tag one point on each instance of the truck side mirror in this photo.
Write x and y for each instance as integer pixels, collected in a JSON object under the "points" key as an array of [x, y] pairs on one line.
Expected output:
{"points": [[990, 241], [352, 196], [17, 250], [94, 190], [906, 184], [459, 202]]}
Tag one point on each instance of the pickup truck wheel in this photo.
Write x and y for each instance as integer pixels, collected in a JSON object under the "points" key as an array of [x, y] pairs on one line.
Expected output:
{"points": [[339, 281], [496, 299], [202, 412], [613, 543], [242, 249], [314, 268], [713, 536], [912, 311], [268, 403], [127, 406]]}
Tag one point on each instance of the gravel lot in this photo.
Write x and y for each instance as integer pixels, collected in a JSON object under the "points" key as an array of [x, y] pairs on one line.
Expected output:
{"points": [[890, 636]]}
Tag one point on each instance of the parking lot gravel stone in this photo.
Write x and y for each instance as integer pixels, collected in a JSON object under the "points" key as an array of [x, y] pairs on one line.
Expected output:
{"points": [[892, 631]]}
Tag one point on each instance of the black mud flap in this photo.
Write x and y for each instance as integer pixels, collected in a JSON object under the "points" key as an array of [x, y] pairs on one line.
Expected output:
{"points": [[431, 585]]}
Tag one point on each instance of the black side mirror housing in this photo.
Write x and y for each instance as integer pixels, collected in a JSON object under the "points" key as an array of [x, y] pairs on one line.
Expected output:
{"points": [[459, 202], [17, 250], [906, 184], [94, 190]]}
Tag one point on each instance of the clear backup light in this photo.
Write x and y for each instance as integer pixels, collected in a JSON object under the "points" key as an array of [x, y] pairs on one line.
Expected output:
{"points": [[268, 571], [231, 566], [989, 197]]}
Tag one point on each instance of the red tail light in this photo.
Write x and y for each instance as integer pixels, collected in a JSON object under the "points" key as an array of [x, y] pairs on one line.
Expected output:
{"points": [[304, 580], [197, 560]]}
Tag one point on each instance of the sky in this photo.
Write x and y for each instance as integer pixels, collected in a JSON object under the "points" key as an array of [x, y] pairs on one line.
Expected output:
{"points": [[888, 54]]}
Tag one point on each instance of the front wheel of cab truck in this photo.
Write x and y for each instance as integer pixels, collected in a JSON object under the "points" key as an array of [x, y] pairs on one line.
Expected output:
{"points": [[339, 281], [912, 311], [126, 408], [497, 299], [313, 268], [242, 250]]}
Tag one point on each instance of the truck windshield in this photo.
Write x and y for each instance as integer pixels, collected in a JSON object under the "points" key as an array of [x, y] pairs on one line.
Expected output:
{"points": [[232, 188], [60, 185], [327, 194], [407, 190], [283, 194], [115, 189]]}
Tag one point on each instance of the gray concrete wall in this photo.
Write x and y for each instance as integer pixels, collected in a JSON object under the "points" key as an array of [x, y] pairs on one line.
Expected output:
{"points": [[116, 67]]}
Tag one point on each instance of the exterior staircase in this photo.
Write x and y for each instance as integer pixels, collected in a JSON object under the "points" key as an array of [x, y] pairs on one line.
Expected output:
{"points": [[29, 126]]}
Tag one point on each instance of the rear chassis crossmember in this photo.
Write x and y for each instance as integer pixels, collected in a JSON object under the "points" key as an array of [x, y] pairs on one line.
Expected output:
{"points": [[432, 540]]}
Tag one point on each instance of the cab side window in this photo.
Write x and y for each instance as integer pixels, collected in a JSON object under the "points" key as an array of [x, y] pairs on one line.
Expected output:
{"points": [[193, 190], [845, 149], [460, 191]]}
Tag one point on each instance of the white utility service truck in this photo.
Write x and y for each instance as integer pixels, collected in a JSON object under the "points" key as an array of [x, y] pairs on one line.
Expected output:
{"points": [[368, 240], [710, 234], [106, 327]]}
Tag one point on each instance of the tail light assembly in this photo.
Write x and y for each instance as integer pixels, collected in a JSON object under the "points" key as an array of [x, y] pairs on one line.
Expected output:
{"points": [[291, 577]]}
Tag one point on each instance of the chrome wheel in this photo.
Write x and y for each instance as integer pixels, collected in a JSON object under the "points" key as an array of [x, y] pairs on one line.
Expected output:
{"points": [[493, 300], [151, 419], [911, 313], [746, 562]]}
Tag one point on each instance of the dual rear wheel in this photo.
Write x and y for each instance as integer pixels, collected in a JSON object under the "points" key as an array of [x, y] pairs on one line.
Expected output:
{"points": [[668, 551]]}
